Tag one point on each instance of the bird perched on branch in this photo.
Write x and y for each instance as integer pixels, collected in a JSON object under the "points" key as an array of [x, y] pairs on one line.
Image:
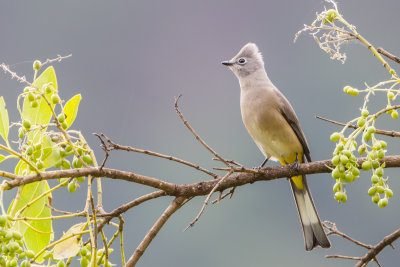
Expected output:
{"points": [[274, 127]]}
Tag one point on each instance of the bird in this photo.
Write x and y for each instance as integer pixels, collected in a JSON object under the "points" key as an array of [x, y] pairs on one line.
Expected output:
{"points": [[273, 125]]}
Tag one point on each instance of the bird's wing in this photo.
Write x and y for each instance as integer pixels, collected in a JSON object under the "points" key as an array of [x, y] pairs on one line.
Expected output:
{"points": [[290, 116]]}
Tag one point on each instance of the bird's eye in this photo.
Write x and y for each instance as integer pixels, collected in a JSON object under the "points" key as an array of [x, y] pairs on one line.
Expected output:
{"points": [[241, 60]]}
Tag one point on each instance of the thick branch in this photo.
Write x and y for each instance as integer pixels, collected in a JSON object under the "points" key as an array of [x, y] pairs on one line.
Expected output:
{"points": [[174, 206], [196, 189], [372, 253]]}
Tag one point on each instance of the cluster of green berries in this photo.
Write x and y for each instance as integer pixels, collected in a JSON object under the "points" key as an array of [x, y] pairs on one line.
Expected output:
{"points": [[34, 154], [86, 256], [330, 16], [64, 163], [12, 246], [345, 163], [49, 256], [351, 91], [391, 112]]}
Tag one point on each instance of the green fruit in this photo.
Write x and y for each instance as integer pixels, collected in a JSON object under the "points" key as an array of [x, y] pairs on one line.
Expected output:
{"points": [[361, 122], [40, 165], [381, 154], [330, 16], [383, 144], [336, 187], [380, 189], [62, 152], [336, 173], [349, 177], [62, 180], [375, 198], [84, 262], [13, 263], [394, 114], [344, 159], [83, 251], [379, 172], [335, 137], [367, 136], [338, 196], [48, 90], [388, 193], [26, 124], [30, 254], [61, 264], [47, 255], [29, 150], [71, 186], [375, 164], [17, 235], [383, 202], [58, 164], [76, 163], [55, 99], [68, 148], [65, 164], [335, 160], [27, 89], [37, 65], [371, 191], [361, 149], [87, 159], [353, 92], [31, 97], [3, 220], [64, 125], [374, 179], [61, 118], [366, 165], [21, 132], [371, 129], [364, 113], [80, 179]]}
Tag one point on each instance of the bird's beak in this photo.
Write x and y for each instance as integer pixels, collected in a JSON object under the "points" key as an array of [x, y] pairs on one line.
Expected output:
{"points": [[227, 63]]}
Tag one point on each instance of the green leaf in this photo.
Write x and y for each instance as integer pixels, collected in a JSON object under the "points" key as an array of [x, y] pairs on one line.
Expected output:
{"points": [[4, 123], [69, 247], [71, 109], [42, 113], [51, 152], [34, 240]]}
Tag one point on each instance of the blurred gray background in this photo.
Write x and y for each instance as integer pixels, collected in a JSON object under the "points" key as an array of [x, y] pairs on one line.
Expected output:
{"points": [[131, 58]]}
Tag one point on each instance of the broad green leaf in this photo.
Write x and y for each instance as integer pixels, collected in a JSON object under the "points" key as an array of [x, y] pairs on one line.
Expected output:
{"points": [[69, 247], [71, 109], [34, 240], [4, 123], [41, 114], [51, 152]]}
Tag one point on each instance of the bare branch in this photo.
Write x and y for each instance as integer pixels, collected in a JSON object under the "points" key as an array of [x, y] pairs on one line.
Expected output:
{"points": [[174, 206], [334, 231], [388, 55]]}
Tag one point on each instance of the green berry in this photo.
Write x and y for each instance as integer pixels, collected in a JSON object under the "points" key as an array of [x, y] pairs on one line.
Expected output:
{"points": [[80, 179], [83, 251], [394, 114], [61, 118], [364, 113], [330, 16], [375, 198], [58, 164], [361, 149], [68, 148], [355, 171], [13, 263], [62, 152], [349, 177], [346, 88], [366, 165], [379, 172], [380, 189], [381, 154], [335, 160], [37, 65], [344, 159], [26, 124], [64, 125], [30, 254], [65, 164], [336, 187], [383, 202], [361, 122], [375, 164], [3, 220], [353, 92], [55, 99], [84, 262], [31, 97], [367, 136], [48, 90], [27, 89], [47, 255], [383, 144], [17, 235], [339, 196], [87, 159], [371, 191], [390, 95], [388, 192], [374, 179], [72, 186], [34, 104], [29, 150], [340, 147], [61, 264], [336, 173], [335, 137], [21, 132], [76, 163], [371, 129], [40, 164]]}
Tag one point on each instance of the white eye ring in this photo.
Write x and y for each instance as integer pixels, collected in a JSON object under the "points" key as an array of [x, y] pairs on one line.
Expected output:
{"points": [[241, 61]]}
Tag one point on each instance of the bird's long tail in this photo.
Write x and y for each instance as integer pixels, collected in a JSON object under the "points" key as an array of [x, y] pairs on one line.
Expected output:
{"points": [[313, 231]]}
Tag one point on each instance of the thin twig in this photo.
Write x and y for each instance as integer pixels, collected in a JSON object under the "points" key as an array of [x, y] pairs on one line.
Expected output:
{"points": [[382, 132], [173, 207], [388, 55], [105, 149], [334, 231], [192, 223], [115, 146], [198, 138]]}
